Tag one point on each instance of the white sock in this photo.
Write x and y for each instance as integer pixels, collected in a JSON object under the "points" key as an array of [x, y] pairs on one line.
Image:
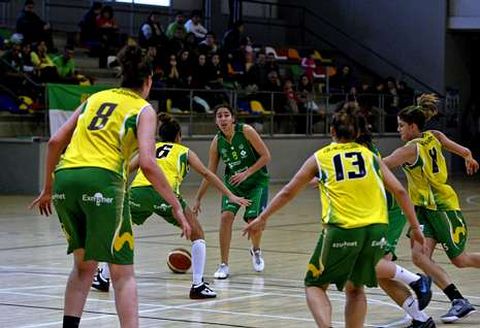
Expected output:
{"points": [[199, 251], [105, 270], [405, 276], [411, 307]]}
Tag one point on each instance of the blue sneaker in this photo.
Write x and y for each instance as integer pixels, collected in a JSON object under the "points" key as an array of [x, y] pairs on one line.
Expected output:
{"points": [[423, 289], [461, 308], [420, 324]]}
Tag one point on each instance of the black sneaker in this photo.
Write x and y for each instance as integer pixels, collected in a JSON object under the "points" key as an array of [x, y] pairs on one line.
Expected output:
{"points": [[420, 324], [423, 289], [461, 308], [100, 283], [201, 291]]}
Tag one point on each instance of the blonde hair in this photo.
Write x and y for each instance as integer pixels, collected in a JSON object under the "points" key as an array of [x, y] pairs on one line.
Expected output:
{"points": [[428, 102]]}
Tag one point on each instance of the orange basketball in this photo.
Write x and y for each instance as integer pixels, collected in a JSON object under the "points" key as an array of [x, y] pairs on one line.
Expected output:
{"points": [[179, 260]]}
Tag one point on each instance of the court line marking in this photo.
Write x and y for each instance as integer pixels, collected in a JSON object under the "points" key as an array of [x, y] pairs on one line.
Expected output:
{"points": [[470, 200]]}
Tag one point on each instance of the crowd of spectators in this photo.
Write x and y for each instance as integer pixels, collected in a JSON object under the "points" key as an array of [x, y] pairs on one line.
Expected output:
{"points": [[186, 56]]}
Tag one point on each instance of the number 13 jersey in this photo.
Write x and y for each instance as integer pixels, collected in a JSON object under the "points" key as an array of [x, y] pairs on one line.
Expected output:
{"points": [[351, 186], [427, 177], [106, 131]]}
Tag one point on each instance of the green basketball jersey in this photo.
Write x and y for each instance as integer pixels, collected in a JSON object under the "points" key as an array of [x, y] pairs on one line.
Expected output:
{"points": [[238, 155]]}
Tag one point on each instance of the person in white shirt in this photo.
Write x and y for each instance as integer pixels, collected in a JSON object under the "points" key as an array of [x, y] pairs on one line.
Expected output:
{"points": [[194, 26]]}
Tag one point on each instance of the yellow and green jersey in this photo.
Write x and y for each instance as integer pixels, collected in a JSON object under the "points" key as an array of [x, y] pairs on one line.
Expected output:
{"points": [[427, 177], [172, 158], [106, 132], [351, 186]]}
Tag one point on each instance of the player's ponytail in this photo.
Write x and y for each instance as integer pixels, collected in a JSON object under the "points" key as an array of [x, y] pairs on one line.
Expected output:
{"points": [[429, 104], [345, 123], [135, 67], [168, 128]]}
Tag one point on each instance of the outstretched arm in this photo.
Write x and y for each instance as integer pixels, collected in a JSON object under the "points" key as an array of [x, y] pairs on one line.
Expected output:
{"points": [[56, 145], [306, 173], [198, 166], [470, 163], [403, 155], [213, 159], [257, 143]]}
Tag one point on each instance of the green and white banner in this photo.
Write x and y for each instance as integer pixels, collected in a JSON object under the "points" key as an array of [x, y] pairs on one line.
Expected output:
{"points": [[63, 99]]}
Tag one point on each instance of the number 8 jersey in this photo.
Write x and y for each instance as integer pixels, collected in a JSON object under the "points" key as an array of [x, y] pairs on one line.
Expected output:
{"points": [[106, 131], [351, 186], [427, 177]]}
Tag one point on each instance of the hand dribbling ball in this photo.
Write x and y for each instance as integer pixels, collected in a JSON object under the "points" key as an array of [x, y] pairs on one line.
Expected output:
{"points": [[179, 260]]}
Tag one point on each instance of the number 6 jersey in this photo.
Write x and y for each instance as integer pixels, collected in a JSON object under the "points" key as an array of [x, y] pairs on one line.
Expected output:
{"points": [[172, 158], [106, 131], [351, 186], [427, 177]]}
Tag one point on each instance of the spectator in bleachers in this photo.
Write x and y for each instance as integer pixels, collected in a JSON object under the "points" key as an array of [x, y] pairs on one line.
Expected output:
{"points": [[191, 45], [343, 82], [177, 27], [13, 56], [271, 63], [65, 63], [176, 102], [200, 73], [305, 94], [232, 39], [194, 25], [368, 103], [215, 73], [88, 25], [32, 27], [405, 94], [151, 32], [291, 105], [184, 67], [209, 45], [28, 66], [257, 75], [391, 105], [273, 84], [43, 64], [177, 42], [108, 33], [309, 65]]}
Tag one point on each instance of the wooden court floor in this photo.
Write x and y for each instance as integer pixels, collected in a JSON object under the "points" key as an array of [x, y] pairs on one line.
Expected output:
{"points": [[34, 270]]}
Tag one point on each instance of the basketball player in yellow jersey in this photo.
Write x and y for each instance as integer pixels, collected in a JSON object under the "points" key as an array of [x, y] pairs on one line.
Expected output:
{"points": [[174, 159], [88, 185], [353, 222], [436, 203]]}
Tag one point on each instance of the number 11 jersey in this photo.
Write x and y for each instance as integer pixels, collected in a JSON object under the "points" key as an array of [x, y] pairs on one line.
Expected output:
{"points": [[106, 131], [427, 177], [351, 186]]}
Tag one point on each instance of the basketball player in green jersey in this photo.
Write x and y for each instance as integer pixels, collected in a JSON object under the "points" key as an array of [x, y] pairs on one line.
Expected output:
{"points": [[354, 222], [392, 278], [245, 156], [174, 159], [436, 202], [88, 185]]}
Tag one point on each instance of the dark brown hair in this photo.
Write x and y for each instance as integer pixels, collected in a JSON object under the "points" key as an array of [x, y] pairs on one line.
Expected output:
{"points": [[413, 114], [168, 128], [135, 67]]}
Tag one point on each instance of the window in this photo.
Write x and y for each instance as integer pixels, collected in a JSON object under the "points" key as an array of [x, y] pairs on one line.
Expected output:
{"points": [[164, 3]]}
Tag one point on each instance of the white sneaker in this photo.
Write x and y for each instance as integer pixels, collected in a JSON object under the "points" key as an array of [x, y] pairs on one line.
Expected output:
{"points": [[257, 260], [222, 272]]}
